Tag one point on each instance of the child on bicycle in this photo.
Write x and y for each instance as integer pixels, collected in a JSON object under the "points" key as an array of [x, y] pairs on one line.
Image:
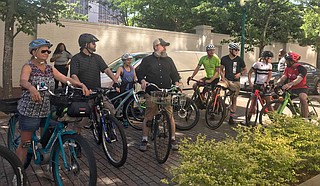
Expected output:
{"points": [[263, 72], [297, 75], [128, 77]]}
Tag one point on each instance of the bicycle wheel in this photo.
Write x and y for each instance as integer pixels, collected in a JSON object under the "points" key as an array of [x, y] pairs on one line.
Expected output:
{"points": [[114, 142], [80, 166], [135, 113], [265, 115], [186, 117], [96, 129], [215, 113], [11, 170], [162, 136], [252, 111]]}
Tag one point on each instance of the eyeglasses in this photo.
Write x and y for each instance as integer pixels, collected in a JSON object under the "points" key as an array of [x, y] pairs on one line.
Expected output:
{"points": [[236, 49], [46, 51]]}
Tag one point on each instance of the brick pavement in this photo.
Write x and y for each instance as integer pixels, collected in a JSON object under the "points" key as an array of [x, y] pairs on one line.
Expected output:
{"points": [[141, 168]]}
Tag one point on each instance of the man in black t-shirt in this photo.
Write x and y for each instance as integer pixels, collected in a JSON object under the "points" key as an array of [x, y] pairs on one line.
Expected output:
{"points": [[232, 66], [86, 66]]}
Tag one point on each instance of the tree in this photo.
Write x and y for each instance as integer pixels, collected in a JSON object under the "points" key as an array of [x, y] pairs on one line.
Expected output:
{"points": [[311, 26], [23, 16]]}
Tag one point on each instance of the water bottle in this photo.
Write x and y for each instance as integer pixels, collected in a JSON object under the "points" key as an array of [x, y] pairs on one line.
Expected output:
{"points": [[234, 67]]}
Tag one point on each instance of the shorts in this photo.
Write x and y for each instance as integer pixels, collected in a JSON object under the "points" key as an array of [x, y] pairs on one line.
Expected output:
{"points": [[298, 91], [233, 86], [31, 124], [262, 89], [152, 108]]}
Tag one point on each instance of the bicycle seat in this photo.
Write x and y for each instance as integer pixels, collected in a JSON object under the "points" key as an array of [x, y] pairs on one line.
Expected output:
{"points": [[222, 84]]}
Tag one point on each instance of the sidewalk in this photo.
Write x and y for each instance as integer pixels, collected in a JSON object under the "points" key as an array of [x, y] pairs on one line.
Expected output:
{"points": [[141, 168]]}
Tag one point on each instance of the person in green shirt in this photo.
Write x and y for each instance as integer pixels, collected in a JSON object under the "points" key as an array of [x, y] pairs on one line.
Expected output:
{"points": [[211, 64]]}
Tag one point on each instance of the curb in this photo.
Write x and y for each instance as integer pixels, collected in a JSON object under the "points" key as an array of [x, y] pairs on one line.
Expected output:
{"points": [[315, 181]]}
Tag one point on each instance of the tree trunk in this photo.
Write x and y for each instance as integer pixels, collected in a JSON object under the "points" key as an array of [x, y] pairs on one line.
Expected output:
{"points": [[8, 50]]}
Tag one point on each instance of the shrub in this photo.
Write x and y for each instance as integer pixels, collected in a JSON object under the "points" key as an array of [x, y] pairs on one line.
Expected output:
{"points": [[272, 155]]}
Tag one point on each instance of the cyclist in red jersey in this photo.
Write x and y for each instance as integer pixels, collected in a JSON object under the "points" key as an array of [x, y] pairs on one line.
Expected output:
{"points": [[297, 75]]}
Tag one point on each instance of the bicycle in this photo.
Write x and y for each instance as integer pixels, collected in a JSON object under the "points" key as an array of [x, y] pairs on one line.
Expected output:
{"points": [[66, 152], [255, 103], [285, 105], [200, 99], [11, 168], [135, 108], [160, 124], [107, 130], [216, 109]]}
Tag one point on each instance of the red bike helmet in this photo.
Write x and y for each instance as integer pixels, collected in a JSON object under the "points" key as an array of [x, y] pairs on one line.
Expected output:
{"points": [[292, 56]]}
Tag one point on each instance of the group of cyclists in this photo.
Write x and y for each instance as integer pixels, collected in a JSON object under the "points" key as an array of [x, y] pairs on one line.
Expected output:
{"points": [[157, 68], [231, 67]]}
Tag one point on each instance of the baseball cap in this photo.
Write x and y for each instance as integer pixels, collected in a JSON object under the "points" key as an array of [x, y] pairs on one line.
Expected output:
{"points": [[161, 42]]}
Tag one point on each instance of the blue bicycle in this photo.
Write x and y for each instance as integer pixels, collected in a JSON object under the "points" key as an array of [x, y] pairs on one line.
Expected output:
{"points": [[66, 152]]}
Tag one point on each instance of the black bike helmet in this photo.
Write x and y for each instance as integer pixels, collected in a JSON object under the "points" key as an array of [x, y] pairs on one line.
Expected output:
{"points": [[86, 38], [265, 54]]}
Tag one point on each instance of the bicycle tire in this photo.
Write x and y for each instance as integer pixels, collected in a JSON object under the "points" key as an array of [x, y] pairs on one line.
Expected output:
{"points": [[82, 168], [162, 137], [18, 176], [265, 115], [135, 114], [252, 118], [96, 127], [190, 116], [114, 142], [215, 115]]}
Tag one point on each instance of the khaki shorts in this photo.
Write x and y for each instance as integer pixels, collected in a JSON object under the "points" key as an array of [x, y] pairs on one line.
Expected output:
{"points": [[152, 108], [234, 86]]}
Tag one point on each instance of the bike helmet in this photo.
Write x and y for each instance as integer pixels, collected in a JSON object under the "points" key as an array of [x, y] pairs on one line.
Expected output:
{"points": [[86, 38], [292, 56], [233, 46], [126, 56], [37, 43], [265, 54], [210, 47]]}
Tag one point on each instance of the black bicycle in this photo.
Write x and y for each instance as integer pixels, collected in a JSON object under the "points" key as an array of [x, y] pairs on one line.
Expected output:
{"points": [[11, 168], [107, 130]]}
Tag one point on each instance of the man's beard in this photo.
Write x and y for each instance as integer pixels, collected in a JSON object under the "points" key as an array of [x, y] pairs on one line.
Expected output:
{"points": [[91, 50], [160, 54]]}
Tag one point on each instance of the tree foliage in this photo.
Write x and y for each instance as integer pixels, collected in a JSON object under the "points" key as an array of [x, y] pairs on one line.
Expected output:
{"points": [[24, 16]]}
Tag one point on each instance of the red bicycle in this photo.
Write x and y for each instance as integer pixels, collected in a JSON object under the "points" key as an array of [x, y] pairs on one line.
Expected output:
{"points": [[255, 104]]}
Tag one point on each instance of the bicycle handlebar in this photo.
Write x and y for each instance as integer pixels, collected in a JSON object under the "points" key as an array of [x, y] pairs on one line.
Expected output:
{"points": [[172, 89]]}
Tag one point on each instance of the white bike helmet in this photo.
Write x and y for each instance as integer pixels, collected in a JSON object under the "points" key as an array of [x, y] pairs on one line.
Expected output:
{"points": [[210, 47], [233, 46]]}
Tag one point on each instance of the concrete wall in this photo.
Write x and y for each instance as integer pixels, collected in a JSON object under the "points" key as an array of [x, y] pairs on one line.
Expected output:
{"points": [[117, 39]]}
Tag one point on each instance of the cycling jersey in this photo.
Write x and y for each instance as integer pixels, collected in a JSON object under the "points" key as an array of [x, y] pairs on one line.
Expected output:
{"points": [[209, 65], [261, 70], [293, 72]]}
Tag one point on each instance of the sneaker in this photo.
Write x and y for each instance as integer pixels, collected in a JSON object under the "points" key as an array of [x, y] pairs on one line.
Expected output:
{"points": [[125, 123], [143, 146], [231, 121], [174, 145]]}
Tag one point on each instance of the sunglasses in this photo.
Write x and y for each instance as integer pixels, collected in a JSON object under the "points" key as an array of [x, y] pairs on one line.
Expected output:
{"points": [[46, 51], [236, 49], [94, 43]]}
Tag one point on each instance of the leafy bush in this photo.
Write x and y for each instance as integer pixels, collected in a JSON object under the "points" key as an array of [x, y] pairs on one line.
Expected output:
{"points": [[272, 155]]}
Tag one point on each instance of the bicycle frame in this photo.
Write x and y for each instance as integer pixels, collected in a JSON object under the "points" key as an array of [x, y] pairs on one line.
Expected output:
{"points": [[287, 101], [128, 94], [257, 97], [60, 130]]}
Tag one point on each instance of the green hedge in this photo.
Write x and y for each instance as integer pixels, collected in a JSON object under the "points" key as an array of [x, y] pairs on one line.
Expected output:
{"points": [[279, 154]]}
